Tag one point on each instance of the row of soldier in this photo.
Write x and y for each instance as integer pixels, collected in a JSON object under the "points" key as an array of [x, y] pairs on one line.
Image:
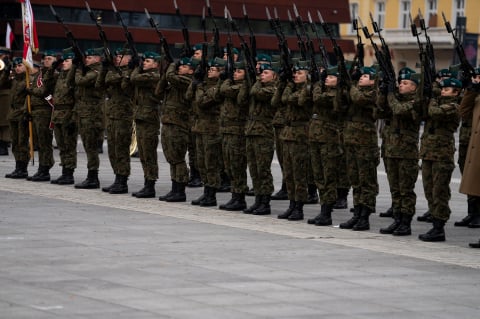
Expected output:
{"points": [[313, 126]]}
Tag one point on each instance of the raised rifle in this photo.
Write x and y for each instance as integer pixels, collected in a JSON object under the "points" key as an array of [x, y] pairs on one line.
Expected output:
{"points": [[249, 57], [230, 62], [428, 47], [360, 52], [163, 41], [187, 47], [385, 51], [300, 43], [70, 38], [425, 92], [314, 72], [253, 40], [465, 66], [217, 51], [101, 33], [321, 46], [286, 58], [128, 35]]}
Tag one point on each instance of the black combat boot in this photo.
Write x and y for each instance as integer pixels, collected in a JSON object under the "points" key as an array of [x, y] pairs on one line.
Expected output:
{"points": [[405, 226], [388, 213], [210, 198], [239, 203], [225, 185], [363, 223], [467, 219], [437, 233], [121, 187], [67, 177], [163, 198], [254, 206], [397, 220], [250, 192], [20, 170], [42, 174], [100, 146], [106, 189], [3, 148], [91, 182], [194, 180], [264, 208], [281, 194], [179, 194], [475, 245], [475, 203], [312, 194], [148, 190], [288, 212], [426, 217], [198, 200], [342, 202], [297, 213], [230, 202], [325, 217], [349, 224]]}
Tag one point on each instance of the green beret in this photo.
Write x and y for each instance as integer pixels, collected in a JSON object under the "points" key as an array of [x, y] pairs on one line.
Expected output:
{"points": [[217, 62], [239, 65], [17, 61], [368, 70], [333, 71], [301, 65], [408, 74], [151, 55], [263, 58], [477, 71], [444, 73], [123, 51], [451, 82], [197, 47], [49, 53], [234, 50], [68, 53], [186, 61], [4, 50], [94, 52], [266, 66]]}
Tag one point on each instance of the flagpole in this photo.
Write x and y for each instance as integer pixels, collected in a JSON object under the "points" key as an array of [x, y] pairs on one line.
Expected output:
{"points": [[29, 110]]}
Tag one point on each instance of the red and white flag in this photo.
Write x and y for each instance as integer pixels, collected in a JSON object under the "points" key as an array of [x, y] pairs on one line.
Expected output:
{"points": [[9, 37], [30, 39]]}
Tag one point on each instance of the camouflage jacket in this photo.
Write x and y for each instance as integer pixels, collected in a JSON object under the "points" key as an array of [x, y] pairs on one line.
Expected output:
{"points": [[298, 100], [18, 96], [279, 118], [118, 104], [234, 110], [360, 128], [88, 99], [208, 101], [64, 96], [176, 108], [402, 138], [438, 141], [325, 124], [42, 84], [261, 111], [146, 102]]}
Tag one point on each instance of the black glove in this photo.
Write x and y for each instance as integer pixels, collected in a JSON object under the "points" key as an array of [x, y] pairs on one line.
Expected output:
{"points": [[71, 128], [199, 74], [383, 88], [391, 87], [77, 61], [223, 75], [57, 64], [27, 117], [284, 75], [134, 62]]}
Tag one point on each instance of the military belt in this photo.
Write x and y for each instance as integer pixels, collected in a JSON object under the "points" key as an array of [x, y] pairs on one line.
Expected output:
{"points": [[297, 123], [403, 132], [439, 131]]}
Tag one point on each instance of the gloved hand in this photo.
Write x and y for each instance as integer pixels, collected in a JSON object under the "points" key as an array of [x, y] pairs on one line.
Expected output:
{"points": [[285, 75], [392, 86], [27, 117], [71, 128], [223, 75], [57, 64], [134, 62], [199, 74]]}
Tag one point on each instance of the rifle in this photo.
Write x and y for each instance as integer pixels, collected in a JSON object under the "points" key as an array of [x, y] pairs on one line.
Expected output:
{"points": [[428, 48], [426, 77], [253, 41], [385, 50], [360, 54], [249, 56], [314, 72], [71, 39], [217, 52], [465, 66], [342, 67], [300, 43], [187, 47], [128, 35], [286, 57], [101, 33], [229, 66], [321, 46], [163, 41]]}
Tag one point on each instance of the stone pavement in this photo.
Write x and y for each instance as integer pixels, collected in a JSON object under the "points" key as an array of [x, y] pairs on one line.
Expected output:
{"points": [[69, 253]]}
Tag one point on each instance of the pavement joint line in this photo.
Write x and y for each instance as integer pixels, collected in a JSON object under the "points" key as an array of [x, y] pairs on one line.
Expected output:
{"points": [[404, 246]]}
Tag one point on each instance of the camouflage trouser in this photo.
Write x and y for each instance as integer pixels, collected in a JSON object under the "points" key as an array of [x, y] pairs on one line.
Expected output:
{"points": [[402, 175], [44, 140], [66, 135], [362, 162], [4, 133], [90, 130], [19, 137], [119, 138], [436, 178], [324, 159], [342, 174], [260, 151], [235, 159], [175, 144], [192, 145], [295, 169], [147, 141], [208, 148], [279, 148]]}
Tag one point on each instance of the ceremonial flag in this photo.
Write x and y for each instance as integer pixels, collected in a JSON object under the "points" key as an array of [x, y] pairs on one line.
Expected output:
{"points": [[9, 37], [30, 39]]}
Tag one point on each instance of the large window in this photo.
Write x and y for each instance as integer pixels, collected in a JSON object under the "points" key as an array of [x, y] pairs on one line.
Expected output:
{"points": [[430, 10], [380, 13], [405, 14], [458, 10], [353, 15]]}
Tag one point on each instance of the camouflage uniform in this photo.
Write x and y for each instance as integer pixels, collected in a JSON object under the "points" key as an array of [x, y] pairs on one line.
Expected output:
{"points": [[64, 120], [5, 86], [88, 102], [278, 125], [437, 149]]}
